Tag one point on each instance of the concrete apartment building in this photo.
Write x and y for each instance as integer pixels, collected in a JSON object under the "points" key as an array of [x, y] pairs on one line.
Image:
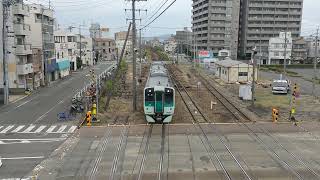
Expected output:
{"points": [[19, 53], [215, 24], [184, 41], [299, 50], [41, 22], [311, 48], [105, 49], [220, 24], [88, 53], [277, 50], [264, 19], [120, 38]]}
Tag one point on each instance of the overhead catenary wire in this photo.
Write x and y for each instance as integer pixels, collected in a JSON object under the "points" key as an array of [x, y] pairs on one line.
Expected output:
{"points": [[159, 15]]}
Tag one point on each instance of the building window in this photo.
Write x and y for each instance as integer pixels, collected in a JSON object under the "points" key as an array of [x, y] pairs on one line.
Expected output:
{"points": [[103, 44], [58, 55], [243, 74], [69, 52], [61, 54], [69, 39]]}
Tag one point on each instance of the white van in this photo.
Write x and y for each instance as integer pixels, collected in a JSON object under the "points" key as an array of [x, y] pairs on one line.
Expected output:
{"points": [[280, 87]]}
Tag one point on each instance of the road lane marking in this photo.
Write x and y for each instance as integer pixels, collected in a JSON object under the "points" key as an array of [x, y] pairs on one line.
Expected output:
{"points": [[23, 104], [51, 129], [6, 129], [46, 113], [40, 129], [60, 130], [18, 128], [29, 129], [20, 158], [72, 129]]}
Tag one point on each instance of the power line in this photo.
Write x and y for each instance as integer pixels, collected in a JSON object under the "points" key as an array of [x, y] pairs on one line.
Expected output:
{"points": [[159, 14], [158, 9]]}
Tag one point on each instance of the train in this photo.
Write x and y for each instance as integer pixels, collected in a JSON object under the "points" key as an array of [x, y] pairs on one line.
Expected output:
{"points": [[159, 95]]}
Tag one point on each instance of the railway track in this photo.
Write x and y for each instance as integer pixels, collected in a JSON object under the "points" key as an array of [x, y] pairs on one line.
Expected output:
{"points": [[230, 106], [197, 115], [150, 136], [241, 118]]}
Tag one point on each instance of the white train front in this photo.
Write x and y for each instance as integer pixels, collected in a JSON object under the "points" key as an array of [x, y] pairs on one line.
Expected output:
{"points": [[159, 95]]}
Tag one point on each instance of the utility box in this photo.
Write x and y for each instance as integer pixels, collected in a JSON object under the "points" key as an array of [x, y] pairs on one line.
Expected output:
{"points": [[245, 92]]}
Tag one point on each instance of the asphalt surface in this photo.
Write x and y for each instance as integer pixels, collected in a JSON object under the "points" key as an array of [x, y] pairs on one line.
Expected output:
{"points": [[122, 152], [305, 86], [29, 128]]}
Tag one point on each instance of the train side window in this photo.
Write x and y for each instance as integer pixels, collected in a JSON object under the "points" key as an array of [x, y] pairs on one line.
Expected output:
{"points": [[168, 97]]}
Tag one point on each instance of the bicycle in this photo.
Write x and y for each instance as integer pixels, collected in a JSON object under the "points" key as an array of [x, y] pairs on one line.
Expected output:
{"points": [[66, 116]]}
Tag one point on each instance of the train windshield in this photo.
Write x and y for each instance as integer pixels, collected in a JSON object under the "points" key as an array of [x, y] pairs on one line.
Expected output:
{"points": [[149, 97], [168, 97]]}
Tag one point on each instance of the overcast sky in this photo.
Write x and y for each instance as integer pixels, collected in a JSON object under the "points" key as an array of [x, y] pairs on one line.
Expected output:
{"points": [[111, 13]]}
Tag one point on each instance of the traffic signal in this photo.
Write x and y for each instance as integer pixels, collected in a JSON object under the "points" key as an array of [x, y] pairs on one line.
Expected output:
{"points": [[275, 115]]}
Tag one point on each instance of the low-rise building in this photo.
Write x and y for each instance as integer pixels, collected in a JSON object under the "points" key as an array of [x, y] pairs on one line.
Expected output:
{"points": [[277, 49], [61, 50], [120, 38], [231, 71], [299, 50], [105, 49], [88, 53], [170, 45], [311, 48]]}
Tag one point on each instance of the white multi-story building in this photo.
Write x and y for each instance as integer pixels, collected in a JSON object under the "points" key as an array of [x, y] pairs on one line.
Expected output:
{"points": [[19, 53], [277, 48], [120, 38], [170, 46], [41, 22], [61, 51], [88, 53]]}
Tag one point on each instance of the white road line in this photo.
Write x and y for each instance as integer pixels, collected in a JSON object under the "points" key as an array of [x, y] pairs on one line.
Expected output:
{"points": [[51, 129], [18, 128], [46, 113], [61, 129], [72, 129], [40, 129], [19, 158], [29, 129], [23, 104], [6, 129]]}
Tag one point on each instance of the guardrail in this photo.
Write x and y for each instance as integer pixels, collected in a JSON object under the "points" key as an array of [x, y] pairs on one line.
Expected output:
{"points": [[102, 76]]}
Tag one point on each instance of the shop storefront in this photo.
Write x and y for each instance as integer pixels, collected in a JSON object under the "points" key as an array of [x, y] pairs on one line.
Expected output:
{"points": [[63, 68]]}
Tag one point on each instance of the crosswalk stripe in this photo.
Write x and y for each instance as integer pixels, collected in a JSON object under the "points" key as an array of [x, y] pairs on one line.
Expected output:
{"points": [[60, 130], [72, 129], [29, 129], [6, 129], [18, 128], [40, 129], [51, 129], [34, 129]]}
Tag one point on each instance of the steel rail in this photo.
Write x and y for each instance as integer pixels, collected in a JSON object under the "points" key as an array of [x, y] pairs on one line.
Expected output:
{"points": [[179, 87], [240, 122]]}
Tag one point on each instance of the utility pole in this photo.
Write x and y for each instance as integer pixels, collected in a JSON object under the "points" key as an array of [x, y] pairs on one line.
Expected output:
{"points": [[254, 74], [285, 53], [140, 54], [134, 39], [315, 62], [6, 5], [80, 53]]}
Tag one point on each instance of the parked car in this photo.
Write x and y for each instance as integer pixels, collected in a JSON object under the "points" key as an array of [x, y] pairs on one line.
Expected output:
{"points": [[280, 86]]}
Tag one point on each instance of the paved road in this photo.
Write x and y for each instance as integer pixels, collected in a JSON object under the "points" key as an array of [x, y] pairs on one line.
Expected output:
{"points": [[29, 130], [305, 86], [117, 152]]}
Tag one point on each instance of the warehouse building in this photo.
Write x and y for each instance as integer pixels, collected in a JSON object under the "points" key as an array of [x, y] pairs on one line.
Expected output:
{"points": [[231, 71]]}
